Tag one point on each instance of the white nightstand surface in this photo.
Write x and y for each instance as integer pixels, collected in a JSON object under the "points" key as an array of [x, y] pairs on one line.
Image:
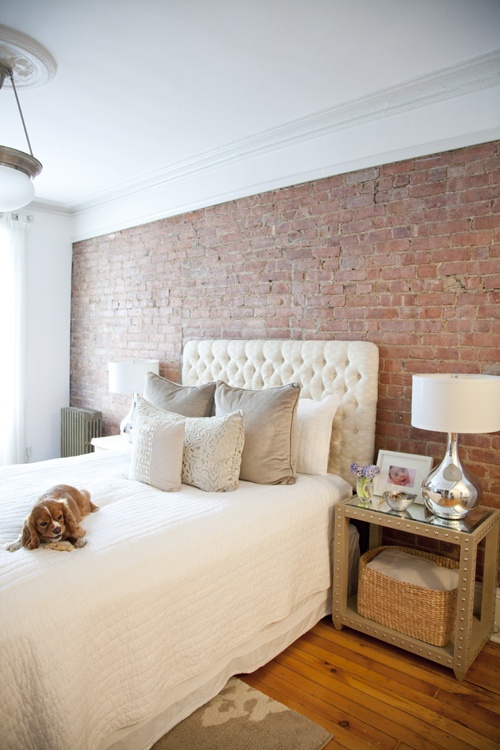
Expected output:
{"points": [[117, 443]]}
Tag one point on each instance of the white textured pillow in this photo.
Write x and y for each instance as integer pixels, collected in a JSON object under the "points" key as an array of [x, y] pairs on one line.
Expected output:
{"points": [[157, 451], [314, 432], [212, 447]]}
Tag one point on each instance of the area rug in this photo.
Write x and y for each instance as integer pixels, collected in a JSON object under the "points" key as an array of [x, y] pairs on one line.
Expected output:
{"points": [[241, 718]]}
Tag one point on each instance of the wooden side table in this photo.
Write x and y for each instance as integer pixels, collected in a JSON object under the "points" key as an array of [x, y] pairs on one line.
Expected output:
{"points": [[471, 628]]}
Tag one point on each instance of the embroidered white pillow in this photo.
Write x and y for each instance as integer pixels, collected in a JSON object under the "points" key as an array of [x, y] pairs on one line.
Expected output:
{"points": [[314, 432], [211, 457], [157, 451]]}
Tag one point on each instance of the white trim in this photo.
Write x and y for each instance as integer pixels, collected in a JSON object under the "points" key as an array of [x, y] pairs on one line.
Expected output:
{"points": [[458, 106], [496, 627], [474, 75]]}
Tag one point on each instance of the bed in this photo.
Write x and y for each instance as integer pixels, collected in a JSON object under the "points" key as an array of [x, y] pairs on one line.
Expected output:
{"points": [[111, 645]]}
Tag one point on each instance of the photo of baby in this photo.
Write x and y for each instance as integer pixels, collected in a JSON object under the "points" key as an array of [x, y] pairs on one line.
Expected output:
{"points": [[401, 472], [401, 476]]}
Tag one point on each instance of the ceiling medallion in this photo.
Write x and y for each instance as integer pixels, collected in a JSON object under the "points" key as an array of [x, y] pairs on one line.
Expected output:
{"points": [[32, 64]]}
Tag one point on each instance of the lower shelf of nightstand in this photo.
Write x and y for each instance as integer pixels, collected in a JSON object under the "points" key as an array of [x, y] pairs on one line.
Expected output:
{"points": [[445, 655]]}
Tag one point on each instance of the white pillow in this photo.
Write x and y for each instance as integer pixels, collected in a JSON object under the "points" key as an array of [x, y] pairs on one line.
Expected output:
{"points": [[157, 451], [420, 571], [211, 457], [314, 432]]}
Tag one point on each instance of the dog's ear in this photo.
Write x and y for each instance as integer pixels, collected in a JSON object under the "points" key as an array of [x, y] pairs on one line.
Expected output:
{"points": [[29, 537], [69, 520]]}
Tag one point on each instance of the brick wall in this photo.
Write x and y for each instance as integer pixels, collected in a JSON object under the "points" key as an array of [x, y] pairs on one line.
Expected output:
{"points": [[405, 255]]}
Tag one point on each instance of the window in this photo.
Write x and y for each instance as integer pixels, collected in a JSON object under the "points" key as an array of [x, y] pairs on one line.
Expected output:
{"points": [[13, 231]]}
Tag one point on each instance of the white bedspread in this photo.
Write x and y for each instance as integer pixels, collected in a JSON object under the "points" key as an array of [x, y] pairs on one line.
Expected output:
{"points": [[92, 640]]}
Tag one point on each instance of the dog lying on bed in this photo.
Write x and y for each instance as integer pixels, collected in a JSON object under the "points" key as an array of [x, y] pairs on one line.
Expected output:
{"points": [[55, 520]]}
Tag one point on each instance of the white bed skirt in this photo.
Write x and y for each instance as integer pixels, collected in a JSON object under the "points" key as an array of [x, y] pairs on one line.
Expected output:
{"points": [[194, 693], [259, 651]]}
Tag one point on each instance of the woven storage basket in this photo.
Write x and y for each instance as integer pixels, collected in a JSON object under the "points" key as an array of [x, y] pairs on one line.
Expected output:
{"points": [[416, 611]]}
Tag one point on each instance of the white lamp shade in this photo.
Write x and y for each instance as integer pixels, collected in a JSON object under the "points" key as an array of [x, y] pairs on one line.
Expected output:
{"points": [[128, 376], [456, 403], [16, 189]]}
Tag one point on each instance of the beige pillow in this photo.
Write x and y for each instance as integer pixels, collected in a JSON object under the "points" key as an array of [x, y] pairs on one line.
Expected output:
{"points": [[270, 450], [157, 450], [212, 447], [314, 433], [190, 401]]}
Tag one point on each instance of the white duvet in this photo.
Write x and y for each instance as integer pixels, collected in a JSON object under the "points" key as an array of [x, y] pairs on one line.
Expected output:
{"points": [[93, 640]]}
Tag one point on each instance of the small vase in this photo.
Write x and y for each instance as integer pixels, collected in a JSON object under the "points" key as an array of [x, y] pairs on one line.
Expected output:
{"points": [[364, 490]]}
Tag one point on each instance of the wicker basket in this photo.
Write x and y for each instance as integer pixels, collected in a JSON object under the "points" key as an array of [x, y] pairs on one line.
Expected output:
{"points": [[422, 613]]}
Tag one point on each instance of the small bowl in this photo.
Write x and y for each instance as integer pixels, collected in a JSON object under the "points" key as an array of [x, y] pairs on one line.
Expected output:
{"points": [[399, 500]]}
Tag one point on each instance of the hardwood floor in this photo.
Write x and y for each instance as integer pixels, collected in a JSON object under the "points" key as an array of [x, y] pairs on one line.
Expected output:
{"points": [[372, 695]]}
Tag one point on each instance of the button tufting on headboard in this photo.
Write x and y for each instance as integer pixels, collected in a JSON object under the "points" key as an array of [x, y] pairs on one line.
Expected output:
{"points": [[348, 369]]}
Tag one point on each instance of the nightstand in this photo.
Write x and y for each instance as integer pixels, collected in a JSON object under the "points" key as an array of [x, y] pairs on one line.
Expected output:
{"points": [[116, 443], [472, 628]]}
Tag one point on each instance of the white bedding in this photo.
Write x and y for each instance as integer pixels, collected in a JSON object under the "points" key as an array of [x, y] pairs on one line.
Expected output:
{"points": [[99, 639]]}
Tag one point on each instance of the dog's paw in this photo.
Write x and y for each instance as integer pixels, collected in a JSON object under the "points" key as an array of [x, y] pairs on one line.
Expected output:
{"points": [[13, 546], [80, 543]]}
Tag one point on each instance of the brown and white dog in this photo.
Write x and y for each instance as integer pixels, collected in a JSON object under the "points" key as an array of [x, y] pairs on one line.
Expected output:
{"points": [[55, 520]]}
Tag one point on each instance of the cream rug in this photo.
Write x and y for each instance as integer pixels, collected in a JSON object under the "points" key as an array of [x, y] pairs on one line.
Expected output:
{"points": [[241, 718]]}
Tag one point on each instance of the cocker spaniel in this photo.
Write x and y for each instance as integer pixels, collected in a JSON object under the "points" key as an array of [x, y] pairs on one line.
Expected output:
{"points": [[55, 520]]}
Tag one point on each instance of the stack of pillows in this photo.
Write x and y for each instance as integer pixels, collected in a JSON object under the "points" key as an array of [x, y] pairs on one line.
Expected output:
{"points": [[211, 436]]}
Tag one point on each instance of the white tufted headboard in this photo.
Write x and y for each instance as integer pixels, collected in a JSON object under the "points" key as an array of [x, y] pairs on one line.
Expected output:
{"points": [[348, 369]]}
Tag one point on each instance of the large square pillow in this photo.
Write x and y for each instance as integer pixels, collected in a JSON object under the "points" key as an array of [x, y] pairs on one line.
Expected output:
{"points": [[270, 450], [212, 446], [314, 433], [190, 401], [157, 451]]}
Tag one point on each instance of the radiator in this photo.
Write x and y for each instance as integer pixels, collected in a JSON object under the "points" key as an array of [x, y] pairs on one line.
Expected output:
{"points": [[78, 427]]}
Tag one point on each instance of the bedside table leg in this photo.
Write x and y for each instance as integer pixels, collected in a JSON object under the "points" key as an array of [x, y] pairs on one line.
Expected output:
{"points": [[340, 567], [375, 536]]}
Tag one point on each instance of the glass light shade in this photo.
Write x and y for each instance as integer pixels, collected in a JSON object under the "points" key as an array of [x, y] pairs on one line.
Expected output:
{"points": [[16, 189], [454, 404]]}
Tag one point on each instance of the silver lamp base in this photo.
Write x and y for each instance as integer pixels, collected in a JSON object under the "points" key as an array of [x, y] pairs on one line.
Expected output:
{"points": [[127, 421], [450, 491]]}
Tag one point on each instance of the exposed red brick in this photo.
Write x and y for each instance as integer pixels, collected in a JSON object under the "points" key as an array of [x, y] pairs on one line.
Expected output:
{"points": [[405, 255]]}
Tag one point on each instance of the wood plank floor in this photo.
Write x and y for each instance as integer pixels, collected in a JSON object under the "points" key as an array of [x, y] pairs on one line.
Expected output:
{"points": [[369, 694]]}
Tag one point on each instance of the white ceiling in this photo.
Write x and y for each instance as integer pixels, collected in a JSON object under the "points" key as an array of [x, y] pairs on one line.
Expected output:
{"points": [[172, 92]]}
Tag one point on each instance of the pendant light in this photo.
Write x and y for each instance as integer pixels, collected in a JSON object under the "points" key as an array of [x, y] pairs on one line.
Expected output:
{"points": [[24, 61], [17, 169]]}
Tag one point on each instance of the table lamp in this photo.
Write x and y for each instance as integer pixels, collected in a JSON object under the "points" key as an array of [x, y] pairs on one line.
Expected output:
{"points": [[128, 377], [454, 404]]}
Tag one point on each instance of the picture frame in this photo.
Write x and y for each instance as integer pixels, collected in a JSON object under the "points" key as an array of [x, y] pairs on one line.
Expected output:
{"points": [[401, 471]]}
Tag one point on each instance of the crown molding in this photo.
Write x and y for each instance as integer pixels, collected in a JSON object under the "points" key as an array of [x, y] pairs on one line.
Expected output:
{"points": [[473, 75]]}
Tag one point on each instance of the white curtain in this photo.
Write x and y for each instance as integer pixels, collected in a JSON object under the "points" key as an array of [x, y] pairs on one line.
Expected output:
{"points": [[13, 231]]}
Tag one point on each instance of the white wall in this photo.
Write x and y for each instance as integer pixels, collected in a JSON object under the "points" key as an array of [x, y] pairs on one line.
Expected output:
{"points": [[48, 329]]}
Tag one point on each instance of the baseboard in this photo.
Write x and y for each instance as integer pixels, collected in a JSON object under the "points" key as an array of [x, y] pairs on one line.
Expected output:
{"points": [[495, 636], [496, 627]]}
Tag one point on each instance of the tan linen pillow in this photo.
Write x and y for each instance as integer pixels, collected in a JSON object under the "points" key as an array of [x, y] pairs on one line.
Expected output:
{"points": [[157, 450], [211, 456], [188, 400], [270, 450]]}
